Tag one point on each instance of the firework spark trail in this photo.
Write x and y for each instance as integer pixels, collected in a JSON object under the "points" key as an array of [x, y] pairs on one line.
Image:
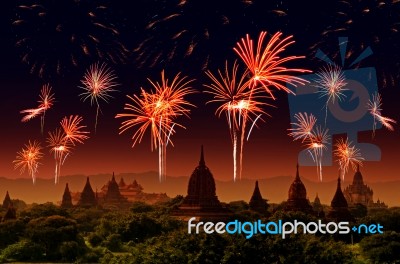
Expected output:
{"points": [[156, 110], [73, 129], [61, 148], [347, 155], [316, 144], [238, 103], [98, 81], [28, 158], [331, 82], [46, 102], [315, 137], [375, 109], [266, 62]]}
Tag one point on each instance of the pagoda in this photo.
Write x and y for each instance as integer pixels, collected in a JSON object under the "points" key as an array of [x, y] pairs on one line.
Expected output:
{"points": [[87, 197], [67, 198], [201, 200], [6, 201], [113, 197], [297, 200], [257, 203], [339, 210], [11, 213]]}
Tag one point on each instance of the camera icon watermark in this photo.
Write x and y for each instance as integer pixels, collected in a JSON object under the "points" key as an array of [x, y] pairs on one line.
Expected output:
{"points": [[348, 116]]}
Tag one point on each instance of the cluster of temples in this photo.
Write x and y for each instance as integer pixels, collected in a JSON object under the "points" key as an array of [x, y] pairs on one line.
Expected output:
{"points": [[111, 196], [202, 201]]}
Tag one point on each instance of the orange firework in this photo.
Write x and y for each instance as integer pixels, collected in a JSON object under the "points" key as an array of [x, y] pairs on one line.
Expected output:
{"points": [[158, 110], [73, 129], [266, 62], [347, 155], [46, 101], [238, 103], [60, 147], [28, 158], [98, 82], [375, 109], [316, 144]]}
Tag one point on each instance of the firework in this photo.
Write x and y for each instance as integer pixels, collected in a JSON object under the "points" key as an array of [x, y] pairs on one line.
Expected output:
{"points": [[157, 110], [331, 82], [303, 127], [73, 129], [28, 158], [316, 144], [98, 82], [315, 137], [347, 155], [54, 36], [266, 63], [238, 103], [60, 147], [46, 101], [375, 109]]}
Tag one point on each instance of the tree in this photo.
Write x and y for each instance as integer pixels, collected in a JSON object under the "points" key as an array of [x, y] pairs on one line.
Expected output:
{"points": [[382, 248]]}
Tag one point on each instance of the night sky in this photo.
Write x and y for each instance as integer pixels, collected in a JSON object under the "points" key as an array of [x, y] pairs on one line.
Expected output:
{"points": [[147, 42]]}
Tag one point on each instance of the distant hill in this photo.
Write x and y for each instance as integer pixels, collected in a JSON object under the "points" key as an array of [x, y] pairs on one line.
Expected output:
{"points": [[274, 189]]}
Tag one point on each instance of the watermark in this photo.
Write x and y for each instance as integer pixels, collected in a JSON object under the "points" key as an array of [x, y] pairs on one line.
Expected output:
{"points": [[280, 228]]}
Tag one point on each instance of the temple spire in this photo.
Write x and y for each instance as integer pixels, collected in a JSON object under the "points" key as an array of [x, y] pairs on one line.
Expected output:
{"points": [[297, 171], [358, 167], [202, 162]]}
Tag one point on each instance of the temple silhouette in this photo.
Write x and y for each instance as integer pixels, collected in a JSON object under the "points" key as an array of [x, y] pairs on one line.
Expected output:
{"points": [[257, 203], [360, 193], [339, 210], [201, 200], [297, 196]]}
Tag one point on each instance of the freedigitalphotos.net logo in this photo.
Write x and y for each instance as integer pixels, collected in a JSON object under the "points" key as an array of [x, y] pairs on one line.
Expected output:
{"points": [[280, 228]]}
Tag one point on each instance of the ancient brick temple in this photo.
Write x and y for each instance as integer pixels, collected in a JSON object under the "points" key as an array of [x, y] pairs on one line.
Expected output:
{"points": [[339, 210], [297, 200], [113, 197], [257, 203], [360, 193], [87, 196], [201, 200]]}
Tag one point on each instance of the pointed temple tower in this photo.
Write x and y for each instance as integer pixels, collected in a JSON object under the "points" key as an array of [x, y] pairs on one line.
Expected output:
{"points": [[201, 200], [6, 201], [88, 198], [317, 207], [257, 203], [113, 197], [339, 208], [297, 200], [67, 198]]}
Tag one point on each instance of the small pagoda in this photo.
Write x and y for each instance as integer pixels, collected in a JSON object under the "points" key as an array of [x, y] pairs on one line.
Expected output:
{"points": [[339, 210], [257, 203], [67, 198]]}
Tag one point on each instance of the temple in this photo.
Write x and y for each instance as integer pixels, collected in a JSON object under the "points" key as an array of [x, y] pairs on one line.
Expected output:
{"points": [[318, 208], [112, 197], [297, 200], [257, 203], [6, 201], [201, 201], [87, 197], [66, 199], [339, 210], [360, 193]]}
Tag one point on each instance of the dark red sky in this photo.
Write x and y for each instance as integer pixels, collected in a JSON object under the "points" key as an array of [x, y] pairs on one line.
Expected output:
{"points": [[269, 152]]}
